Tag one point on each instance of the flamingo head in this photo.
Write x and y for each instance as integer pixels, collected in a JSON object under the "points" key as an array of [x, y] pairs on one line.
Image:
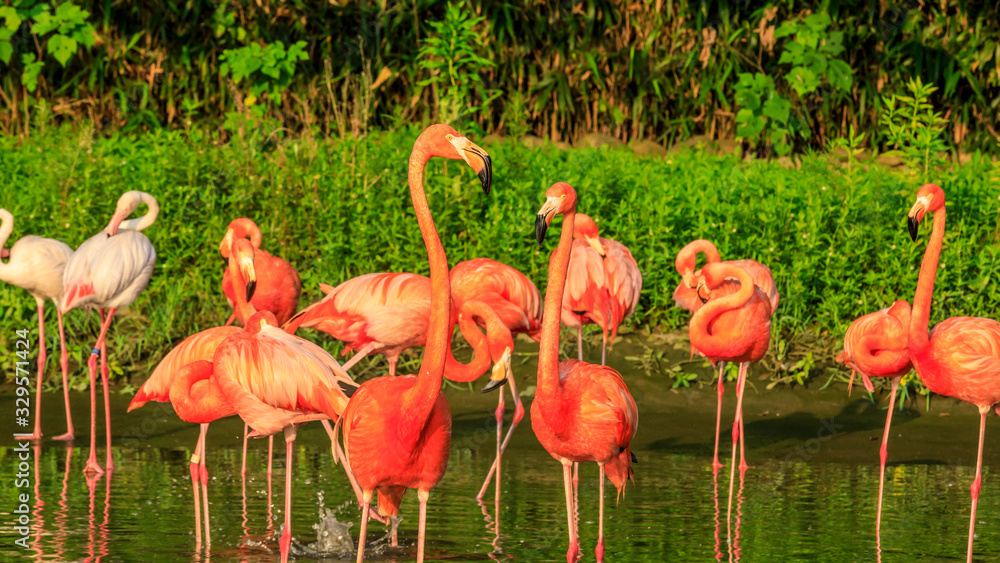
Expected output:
{"points": [[930, 197], [712, 275], [585, 229], [444, 142], [559, 198], [261, 319], [242, 254], [239, 228], [127, 203], [501, 371]]}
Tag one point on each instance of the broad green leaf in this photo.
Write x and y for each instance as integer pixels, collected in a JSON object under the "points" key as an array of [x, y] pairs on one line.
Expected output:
{"points": [[777, 108]]}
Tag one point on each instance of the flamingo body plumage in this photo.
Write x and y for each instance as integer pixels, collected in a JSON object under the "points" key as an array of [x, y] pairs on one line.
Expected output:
{"points": [[278, 286]]}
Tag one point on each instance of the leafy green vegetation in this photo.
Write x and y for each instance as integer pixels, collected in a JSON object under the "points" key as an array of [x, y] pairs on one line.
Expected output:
{"points": [[834, 236], [660, 71]]}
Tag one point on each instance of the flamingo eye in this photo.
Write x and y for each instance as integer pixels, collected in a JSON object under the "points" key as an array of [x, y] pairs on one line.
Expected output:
{"points": [[449, 136]]}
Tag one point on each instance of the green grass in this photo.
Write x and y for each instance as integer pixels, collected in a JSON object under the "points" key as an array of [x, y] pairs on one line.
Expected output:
{"points": [[337, 208]]}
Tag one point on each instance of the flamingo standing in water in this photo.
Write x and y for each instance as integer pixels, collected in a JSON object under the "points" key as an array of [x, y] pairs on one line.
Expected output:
{"points": [[603, 284], [277, 287], [506, 303], [875, 346], [734, 325], [36, 265], [581, 411], [109, 271], [686, 297], [960, 357], [385, 313], [397, 429]]}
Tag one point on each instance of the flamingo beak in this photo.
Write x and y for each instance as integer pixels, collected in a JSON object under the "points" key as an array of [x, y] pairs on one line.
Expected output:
{"points": [[595, 243], [544, 218], [246, 267], [116, 221], [704, 298], [688, 278], [916, 215], [501, 371], [480, 161]]}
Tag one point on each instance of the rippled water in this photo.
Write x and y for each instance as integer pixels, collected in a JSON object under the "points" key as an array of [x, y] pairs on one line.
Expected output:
{"points": [[808, 496]]}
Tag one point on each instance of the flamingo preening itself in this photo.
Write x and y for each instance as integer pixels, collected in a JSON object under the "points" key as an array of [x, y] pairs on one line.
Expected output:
{"points": [[733, 325], [960, 356], [581, 412], [397, 430], [686, 297], [36, 265], [109, 271], [504, 302], [875, 346], [603, 284]]}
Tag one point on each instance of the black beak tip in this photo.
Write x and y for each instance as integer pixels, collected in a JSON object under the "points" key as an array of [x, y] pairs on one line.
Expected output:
{"points": [[251, 287], [540, 227], [486, 175], [492, 385], [913, 225]]}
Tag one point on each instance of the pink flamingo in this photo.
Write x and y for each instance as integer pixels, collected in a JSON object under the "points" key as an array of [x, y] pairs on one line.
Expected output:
{"points": [[385, 313], [581, 412], [108, 271], [686, 297], [506, 303], [36, 265], [734, 325], [960, 357], [603, 284], [277, 287], [397, 430], [875, 346]]}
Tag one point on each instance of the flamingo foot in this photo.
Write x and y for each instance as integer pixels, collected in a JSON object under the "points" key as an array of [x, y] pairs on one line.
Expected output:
{"points": [[33, 436], [573, 552], [743, 468], [599, 551], [716, 465], [67, 437], [92, 468]]}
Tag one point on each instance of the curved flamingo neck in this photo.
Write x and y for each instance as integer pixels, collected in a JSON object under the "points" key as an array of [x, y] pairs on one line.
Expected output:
{"points": [[420, 399], [483, 355], [245, 308], [246, 228], [140, 223], [891, 354], [711, 344], [548, 393], [920, 317], [196, 396], [688, 256]]}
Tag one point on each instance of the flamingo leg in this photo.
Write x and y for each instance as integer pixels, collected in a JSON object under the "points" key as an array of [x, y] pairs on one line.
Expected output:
{"points": [[92, 466], [246, 433], [579, 343], [518, 415], [365, 507], [574, 546], [193, 466], [499, 464], [576, 499], [977, 484], [604, 348], [286, 535], [736, 434], [883, 454], [364, 351], [204, 482], [599, 550], [64, 364], [37, 433], [743, 436], [105, 373], [422, 495], [270, 455], [716, 466]]}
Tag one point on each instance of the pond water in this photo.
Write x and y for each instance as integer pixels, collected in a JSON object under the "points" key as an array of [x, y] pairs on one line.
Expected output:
{"points": [[809, 494]]}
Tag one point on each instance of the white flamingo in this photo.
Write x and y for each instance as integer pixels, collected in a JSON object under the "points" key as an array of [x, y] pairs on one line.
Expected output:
{"points": [[109, 271], [36, 265]]}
